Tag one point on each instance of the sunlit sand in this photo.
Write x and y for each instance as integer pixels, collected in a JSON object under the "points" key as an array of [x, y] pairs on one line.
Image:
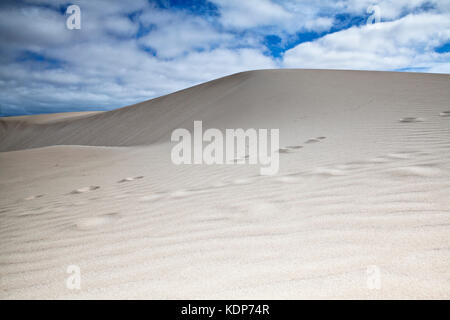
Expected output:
{"points": [[364, 181]]}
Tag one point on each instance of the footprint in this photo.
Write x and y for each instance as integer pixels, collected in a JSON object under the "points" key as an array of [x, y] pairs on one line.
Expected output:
{"points": [[85, 189], [33, 197], [410, 120], [283, 150], [445, 114], [314, 140], [130, 179], [289, 149], [91, 223]]}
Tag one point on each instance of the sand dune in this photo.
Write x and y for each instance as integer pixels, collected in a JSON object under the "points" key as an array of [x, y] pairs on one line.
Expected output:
{"points": [[285, 99], [49, 117], [364, 181]]}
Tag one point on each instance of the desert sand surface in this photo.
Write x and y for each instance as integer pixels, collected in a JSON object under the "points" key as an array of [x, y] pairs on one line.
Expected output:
{"points": [[364, 181], [48, 117]]}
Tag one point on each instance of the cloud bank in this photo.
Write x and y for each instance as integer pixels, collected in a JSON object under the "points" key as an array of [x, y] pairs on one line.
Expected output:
{"points": [[127, 52]]}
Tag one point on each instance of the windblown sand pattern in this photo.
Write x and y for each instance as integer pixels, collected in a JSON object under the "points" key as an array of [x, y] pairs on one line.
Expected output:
{"points": [[375, 191]]}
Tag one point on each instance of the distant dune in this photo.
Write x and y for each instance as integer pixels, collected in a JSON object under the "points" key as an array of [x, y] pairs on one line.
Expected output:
{"points": [[49, 117], [359, 209]]}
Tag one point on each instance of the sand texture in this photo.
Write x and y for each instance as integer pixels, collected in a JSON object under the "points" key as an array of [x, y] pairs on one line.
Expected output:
{"points": [[364, 181]]}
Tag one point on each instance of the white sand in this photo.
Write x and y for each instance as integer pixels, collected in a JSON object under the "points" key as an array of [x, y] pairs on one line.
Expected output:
{"points": [[47, 118], [370, 186]]}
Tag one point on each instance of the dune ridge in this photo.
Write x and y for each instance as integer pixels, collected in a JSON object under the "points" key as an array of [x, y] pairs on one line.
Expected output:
{"points": [[265, 98]]}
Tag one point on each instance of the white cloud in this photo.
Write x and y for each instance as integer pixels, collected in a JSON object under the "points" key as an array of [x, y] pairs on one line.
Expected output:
{"points": [[250, 13], [403, 43], [120, 26], [179, 33], [31, 27], [103, 65]]}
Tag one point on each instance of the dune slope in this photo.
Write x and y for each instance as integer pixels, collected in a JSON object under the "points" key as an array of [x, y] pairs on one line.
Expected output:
{"points": [[282, 99], [359, 209]]}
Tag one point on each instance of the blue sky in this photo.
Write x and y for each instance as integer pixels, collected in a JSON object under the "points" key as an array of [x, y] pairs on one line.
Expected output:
{"points": [[130, 51]]}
